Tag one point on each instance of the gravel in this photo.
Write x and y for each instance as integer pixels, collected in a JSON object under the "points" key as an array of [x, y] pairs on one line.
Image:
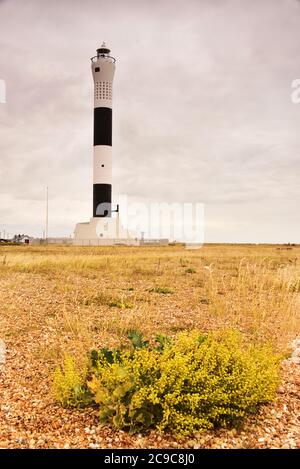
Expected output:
{"points": [[29, 417]]}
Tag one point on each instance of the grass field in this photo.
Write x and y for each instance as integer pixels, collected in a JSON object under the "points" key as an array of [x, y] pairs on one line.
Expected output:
{"points": [[58, 299]]}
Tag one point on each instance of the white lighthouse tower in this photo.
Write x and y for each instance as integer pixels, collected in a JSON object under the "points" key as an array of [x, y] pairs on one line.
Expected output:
{"points": [[103, 69], [102, 228]]}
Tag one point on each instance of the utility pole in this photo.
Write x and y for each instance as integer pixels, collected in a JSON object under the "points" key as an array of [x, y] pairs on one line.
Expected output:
{"points": [[47, 209]]}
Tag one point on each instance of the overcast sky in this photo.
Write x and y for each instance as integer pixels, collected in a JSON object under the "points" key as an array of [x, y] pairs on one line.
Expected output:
{"points": [[202, 111]]}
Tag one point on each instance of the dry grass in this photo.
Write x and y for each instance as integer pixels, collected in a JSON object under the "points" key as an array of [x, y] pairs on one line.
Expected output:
{"points": [[88, 297]]}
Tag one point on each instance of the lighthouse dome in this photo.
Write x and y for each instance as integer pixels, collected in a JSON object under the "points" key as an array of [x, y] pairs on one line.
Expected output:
{"points": [[103, 49]]}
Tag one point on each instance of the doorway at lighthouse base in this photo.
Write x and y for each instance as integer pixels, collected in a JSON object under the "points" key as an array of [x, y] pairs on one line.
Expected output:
{"points": [[103, 232]]}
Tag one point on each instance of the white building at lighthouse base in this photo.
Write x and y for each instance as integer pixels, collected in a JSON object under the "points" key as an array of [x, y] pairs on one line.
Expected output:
{"points": [[104, 231]]}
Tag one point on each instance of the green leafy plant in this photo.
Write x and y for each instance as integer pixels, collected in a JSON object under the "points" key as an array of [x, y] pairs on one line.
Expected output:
{"points": [[163, 341], [105, 354], [182, 385], [137, 339]]}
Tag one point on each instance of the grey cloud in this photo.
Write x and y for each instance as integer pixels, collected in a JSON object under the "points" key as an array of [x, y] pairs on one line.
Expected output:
{"points": [[202, 108]]}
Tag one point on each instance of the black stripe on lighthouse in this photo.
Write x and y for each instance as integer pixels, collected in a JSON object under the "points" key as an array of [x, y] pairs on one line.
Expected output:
{"points": [[102, 126], [102, 193], [102, 200]]}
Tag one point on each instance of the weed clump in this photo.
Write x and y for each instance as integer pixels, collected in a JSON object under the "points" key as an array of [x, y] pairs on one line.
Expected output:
{"points": [[108, 300], [182, 385], [161, 290], [69, 385]]}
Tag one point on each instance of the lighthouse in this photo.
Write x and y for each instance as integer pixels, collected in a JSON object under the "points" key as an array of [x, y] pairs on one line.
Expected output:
{"points": [[103, 70], [103, 228]]}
